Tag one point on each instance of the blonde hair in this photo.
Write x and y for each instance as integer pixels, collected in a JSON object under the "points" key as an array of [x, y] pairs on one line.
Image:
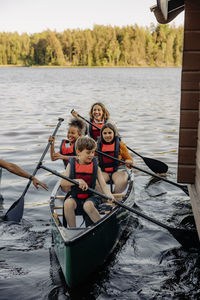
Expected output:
{"points": [[85, 142], [106, 113]]}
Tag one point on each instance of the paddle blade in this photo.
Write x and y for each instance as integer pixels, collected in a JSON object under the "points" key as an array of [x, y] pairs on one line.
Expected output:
{"points": [[185, 189], [15, 212], [155, 165], [187, 238]]}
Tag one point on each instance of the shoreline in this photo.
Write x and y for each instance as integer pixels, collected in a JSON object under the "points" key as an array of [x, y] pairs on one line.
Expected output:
{"points": [[92, 67]]}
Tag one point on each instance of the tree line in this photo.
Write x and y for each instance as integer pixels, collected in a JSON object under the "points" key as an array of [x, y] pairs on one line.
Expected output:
{"points": [[160, 45]]}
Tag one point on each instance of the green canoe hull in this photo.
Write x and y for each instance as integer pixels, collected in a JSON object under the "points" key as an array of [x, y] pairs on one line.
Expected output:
{"points": [[81, 252], [81, 258]]}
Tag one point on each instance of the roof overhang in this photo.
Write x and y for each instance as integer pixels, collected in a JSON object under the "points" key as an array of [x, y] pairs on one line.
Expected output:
{"points": [[166, 10]]}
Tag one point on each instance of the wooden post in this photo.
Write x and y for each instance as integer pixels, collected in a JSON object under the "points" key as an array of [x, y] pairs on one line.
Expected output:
{"points": [[189, 138]]}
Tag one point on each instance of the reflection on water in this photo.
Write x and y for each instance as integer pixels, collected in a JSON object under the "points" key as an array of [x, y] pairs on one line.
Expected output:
{"points": [[144, 103]]}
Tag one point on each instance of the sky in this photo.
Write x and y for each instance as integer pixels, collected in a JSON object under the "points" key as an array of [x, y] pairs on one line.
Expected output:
{"points": [[39, 15]]}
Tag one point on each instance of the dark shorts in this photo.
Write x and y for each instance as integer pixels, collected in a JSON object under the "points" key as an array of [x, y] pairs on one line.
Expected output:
{"points": [[79, 210], [79, 202]]}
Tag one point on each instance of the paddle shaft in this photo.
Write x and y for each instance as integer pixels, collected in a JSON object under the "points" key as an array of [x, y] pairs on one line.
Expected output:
{"points": [[60, 120], [88, 122], [71, 180], [170, 229], [104, 196], [183, 187], [134, 152], [154, 164], [187, 238], [15, 212]]}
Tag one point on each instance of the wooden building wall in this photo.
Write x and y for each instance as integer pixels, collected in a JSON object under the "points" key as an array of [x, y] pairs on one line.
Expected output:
{"points": [[189, 137]]}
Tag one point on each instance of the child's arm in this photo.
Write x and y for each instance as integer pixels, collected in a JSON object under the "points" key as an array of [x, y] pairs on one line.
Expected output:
{"points": [[125, 155], [57, 155], [74, 113], [65, 184], [103, 184], [52, 149]]}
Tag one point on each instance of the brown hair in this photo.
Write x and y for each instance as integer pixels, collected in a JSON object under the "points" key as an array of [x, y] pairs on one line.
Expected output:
{"points": [[111, 126], [78, 124], [106, 113], [85, 142]]}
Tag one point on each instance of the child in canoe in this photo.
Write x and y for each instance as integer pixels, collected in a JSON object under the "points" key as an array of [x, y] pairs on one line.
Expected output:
{"points": [[109, 142], [99, 115], [67, 147], [84, 169]]}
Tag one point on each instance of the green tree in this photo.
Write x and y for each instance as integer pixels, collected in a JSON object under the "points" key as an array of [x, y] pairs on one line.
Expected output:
{"points": [[160, 45]]}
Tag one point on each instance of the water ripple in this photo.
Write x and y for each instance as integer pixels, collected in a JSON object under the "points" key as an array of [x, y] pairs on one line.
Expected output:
{"points": [[144, 103]]}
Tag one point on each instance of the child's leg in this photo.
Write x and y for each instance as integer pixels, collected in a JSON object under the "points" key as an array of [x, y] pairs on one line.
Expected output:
{"points": [[106, 178], [69, 210], [120, 179], [91, 210]]}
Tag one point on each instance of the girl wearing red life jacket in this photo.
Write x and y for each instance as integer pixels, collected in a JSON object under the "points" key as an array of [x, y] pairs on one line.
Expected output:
{"points": [[85, 171], [67, 147], [67, 150], [110, 144], [99, 115]]}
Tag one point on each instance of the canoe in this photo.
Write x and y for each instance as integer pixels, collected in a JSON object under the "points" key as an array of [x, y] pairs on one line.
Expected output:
{"points": [[82, 250]]}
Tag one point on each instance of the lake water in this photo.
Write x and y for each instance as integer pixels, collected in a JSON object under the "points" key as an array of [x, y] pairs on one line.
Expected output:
{"points": [[144, 102]]}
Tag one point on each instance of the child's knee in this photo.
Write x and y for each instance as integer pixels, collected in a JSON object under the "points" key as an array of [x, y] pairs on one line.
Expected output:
{"points": [[88, 206], [121, 177], [69, 204]]}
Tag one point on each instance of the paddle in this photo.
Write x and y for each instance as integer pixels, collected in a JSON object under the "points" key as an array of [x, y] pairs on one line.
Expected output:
{"points": [[183, 187], [15, 212], [155, 165], [187, 238]]}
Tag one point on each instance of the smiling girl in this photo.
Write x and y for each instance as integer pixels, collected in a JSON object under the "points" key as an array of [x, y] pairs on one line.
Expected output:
{"points": [[110, 143], [67, 147], [99, 115]]}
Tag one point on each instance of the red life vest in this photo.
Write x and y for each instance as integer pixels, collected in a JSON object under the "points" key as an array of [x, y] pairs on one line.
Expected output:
{"points": [[93, 131], [68, 151], [86, 172], [108, 164]]}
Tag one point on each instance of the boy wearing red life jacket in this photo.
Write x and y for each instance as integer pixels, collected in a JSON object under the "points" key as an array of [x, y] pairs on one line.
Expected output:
{"points": [[85, 171], [67, 147]]}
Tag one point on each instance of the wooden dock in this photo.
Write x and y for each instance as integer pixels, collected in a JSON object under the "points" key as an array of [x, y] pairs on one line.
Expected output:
{"points": [[189, 133]]}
